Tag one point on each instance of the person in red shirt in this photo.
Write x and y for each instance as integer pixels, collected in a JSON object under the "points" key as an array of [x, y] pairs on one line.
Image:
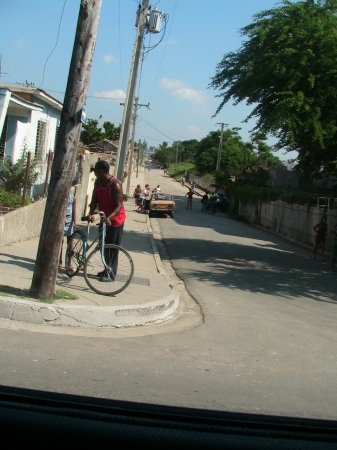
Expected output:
{"points": [[189, 196], [322, 230], [108, 196]]}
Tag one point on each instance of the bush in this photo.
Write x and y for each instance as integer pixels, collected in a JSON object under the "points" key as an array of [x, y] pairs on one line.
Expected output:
{"points": [[10, 200]]}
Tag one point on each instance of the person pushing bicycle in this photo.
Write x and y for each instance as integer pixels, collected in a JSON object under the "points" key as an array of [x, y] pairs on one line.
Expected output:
{"points": [[108, 196]]}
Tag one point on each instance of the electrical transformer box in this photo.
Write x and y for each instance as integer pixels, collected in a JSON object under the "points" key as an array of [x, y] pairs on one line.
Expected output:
{"points": [[156, 17]]}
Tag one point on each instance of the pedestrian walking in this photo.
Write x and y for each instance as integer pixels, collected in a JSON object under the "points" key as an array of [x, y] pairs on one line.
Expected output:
{"points": [[204, 202], [214, 202], [156, 190], [183, 181], [69, 227], [189, 196], [321, 230], [136, 194], [145, 199], [334, 247]]}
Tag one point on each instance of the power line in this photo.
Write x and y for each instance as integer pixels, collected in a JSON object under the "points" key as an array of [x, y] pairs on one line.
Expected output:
{"points": [[57, 39], [159, 130], [163, 129], [163, 51]]}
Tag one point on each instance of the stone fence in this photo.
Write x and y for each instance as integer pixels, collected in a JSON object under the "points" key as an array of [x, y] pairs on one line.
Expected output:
{"points": [[25, 223], [293, 222]]}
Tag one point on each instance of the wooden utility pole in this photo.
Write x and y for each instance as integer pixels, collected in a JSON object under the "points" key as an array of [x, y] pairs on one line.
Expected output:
{"points": [[46, 181], [63, 169]]}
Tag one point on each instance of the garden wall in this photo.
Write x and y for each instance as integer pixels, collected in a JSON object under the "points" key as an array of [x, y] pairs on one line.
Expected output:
{"points": [[293, 222], [22, 223]]}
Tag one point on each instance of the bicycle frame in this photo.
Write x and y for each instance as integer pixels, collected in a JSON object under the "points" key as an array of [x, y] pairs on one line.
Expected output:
{"points": [[100, 238]]}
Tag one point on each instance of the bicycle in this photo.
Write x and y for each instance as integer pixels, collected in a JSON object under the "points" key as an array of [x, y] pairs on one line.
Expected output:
{"points": [[108, 269]]}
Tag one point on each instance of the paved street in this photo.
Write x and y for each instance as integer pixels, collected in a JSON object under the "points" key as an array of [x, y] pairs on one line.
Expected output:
{"points": [[267, 343]]}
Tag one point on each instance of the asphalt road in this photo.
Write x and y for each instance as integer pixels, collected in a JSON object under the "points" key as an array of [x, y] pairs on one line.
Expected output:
{"points": [[267, 343]]}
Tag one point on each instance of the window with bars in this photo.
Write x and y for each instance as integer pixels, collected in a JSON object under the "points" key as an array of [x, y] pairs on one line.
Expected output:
{"points": [[3, 140], [56, 136], [41, 140]]}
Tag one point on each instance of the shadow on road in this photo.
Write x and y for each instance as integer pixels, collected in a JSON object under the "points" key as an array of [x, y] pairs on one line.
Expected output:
{"points": [[271, 268]]}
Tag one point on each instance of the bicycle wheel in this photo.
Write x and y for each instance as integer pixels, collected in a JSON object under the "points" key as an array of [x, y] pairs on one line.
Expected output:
{"points": [[111, 280], [75, 254]]}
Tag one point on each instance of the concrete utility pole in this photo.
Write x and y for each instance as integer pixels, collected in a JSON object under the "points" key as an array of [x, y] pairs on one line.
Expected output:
{"points": [[136, 107], [63, 168], [138, 155], [220, 145], [125, 128]]}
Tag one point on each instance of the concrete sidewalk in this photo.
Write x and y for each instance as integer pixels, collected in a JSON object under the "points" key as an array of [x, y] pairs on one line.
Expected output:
{"points": [[148, 299]]}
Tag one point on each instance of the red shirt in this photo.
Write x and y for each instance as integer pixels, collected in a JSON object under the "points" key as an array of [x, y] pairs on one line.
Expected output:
{"points": [[189, 194], [106, 203]]}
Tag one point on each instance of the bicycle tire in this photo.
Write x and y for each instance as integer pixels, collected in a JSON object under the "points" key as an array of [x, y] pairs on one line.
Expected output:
{"points": [[115, 281], [76, 253]]}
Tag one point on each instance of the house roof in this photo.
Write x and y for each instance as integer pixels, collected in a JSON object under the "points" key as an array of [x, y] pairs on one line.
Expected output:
{"points": [[103, 141], [26, 93]]}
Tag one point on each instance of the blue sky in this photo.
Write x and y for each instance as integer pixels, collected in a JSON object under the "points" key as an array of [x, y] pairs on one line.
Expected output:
{"points": [[173, 77]]}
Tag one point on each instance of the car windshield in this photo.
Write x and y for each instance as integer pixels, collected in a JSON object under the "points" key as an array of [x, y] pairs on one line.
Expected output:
{"points": [[161, 197], [122, 275]]}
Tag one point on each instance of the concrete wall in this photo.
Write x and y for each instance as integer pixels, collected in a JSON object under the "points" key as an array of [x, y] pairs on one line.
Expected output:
{"points": [[21, 224], [294, 222], [25, 223]]}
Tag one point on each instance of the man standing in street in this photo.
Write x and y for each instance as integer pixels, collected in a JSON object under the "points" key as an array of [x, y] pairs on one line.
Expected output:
{"points": [[189, 196], [108, 196]]}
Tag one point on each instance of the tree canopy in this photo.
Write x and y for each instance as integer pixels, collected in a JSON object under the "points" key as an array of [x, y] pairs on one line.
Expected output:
{"points": [[287, 69], [91, 133]]}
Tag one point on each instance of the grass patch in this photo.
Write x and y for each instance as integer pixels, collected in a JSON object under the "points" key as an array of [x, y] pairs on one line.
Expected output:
{"points": [[9, 291], [183, 167], [64, 295]]}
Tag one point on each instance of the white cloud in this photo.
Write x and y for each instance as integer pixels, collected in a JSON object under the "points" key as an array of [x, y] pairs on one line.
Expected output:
{"points": [[108, 59], [194, 129], [171, 41], [183, 91], [20, 43], [118, 94]]}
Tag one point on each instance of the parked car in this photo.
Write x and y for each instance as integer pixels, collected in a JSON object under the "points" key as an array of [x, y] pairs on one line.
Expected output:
{"points": [[162, 204]]}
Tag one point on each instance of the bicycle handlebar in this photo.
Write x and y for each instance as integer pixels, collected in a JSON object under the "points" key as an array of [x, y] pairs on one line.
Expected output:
{"points": [[101, 213]]}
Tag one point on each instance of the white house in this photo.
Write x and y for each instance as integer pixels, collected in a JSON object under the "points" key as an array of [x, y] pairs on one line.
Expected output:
{"points": [[28, 115]]}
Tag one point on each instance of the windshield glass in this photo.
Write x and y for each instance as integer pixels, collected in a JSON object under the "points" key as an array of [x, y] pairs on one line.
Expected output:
{"points": [[224, 295]]}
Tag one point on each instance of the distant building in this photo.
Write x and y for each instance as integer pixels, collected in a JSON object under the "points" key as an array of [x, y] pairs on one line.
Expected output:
{"points": [[104, 146], [283, 176]]}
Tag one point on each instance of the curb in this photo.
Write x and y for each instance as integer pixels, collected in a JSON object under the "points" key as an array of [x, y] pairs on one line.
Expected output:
{"points": [[89, 316]]}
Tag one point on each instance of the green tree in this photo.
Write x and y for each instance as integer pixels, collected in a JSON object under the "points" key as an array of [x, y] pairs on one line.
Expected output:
{"points": [[165, 155], [233, 154], [90, 132], [262, 156], [12, 175], [287, 69], [111, 132]]}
